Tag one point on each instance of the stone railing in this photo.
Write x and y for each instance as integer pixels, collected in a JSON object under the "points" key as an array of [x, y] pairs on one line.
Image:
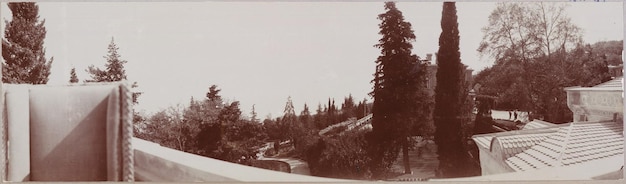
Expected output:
{"points": [[160, 164]]}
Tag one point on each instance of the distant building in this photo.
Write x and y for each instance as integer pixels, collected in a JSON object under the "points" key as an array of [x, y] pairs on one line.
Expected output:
{"points": [[616, 70], [592, 145], [432, 74]]}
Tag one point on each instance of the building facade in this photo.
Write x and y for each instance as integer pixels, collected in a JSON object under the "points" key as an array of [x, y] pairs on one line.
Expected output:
{"points": [[616, 70], [432, 74]]}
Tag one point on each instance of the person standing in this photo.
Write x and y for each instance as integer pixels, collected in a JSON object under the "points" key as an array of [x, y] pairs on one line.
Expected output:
{"points": [[509, 114], [515, 114]]}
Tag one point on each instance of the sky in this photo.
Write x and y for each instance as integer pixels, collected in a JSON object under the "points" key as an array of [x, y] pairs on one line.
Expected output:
{"points": [[260, 53]]}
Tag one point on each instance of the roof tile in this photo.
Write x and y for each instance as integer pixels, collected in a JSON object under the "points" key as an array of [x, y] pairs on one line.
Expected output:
{"points": [[577, 143]]}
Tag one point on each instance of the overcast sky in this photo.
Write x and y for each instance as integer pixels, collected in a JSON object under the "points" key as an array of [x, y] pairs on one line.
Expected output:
{"points": [[261, 53]]}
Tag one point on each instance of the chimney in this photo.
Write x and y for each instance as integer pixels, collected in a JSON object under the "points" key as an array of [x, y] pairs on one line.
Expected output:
{"points": [[429, 57]]}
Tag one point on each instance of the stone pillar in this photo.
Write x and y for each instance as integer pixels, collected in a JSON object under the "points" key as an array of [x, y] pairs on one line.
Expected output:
{"points": [[18, 122], [3, 138]]}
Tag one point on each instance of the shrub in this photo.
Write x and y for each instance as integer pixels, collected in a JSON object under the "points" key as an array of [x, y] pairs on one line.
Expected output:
{"points": [[343, 156], [336, 130]]}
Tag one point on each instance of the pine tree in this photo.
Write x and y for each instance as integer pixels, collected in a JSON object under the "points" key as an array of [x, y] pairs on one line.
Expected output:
{"points": [[396, 87], [305, 117], [213, 93], [253, 119], [348, 108], [449, 100], [289, 122], [289, 110], [114, 67], [22, 48], [73, 77], [114, 70]]}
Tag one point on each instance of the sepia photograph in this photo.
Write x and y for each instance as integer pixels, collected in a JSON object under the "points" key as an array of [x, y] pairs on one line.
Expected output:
{"points": [[312, 91]]}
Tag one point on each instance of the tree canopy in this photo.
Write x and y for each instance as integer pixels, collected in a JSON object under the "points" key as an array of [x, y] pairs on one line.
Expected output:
{"points": [[538, 52], [22, 47], [451, 112], [73, 77], [399, 91], [522, 31], [114, 69]]}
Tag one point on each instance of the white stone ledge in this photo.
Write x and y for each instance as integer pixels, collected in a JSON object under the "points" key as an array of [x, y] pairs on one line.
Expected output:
{"points": [[603, 169], [161, 164]]}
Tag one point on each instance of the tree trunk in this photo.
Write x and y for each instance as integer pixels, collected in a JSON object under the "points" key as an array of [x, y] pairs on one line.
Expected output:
{"points": [[405, 156]]}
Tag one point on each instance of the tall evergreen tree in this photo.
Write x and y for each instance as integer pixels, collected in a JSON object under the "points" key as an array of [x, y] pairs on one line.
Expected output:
{"points": [[448, 98], [22, 49], [305, 117], [289, 110], [254, 119], [289, 122], [395, 89], [348, 108], [114, 69], [73, 77], [319, 120]]}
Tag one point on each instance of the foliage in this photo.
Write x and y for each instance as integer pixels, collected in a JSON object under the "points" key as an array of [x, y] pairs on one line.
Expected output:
{"points": [[535, 86], [114, 70], [306, 119], [525, 30], [336, 130], [483, 121], [348, 108], [73, 77], [223, 134], [520, 36], [400, 98], [207, 127], [344, 156], [303, 131], [164, 128], [114, 67], [253, 116], [609, 50], [539, 52], [451, 110], [22, 46]]}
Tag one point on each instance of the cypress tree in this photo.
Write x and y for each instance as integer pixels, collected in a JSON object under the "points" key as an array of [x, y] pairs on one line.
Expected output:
{"points": [[449, 100]]}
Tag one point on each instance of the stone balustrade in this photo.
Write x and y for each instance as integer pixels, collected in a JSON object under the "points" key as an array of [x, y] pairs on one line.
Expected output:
{"points": [[160, 164]]}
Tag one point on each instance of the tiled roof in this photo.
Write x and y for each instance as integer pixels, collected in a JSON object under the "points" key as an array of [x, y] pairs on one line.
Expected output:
{"points": [[483, 141], [612, 85], [617, 82], [535, 124], [577, 143], [601, 169], [518, 137], [513, 144]]}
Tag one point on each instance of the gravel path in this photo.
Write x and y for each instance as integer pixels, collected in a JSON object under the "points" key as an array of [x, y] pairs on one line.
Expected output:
{"points": [[297, 166]]}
